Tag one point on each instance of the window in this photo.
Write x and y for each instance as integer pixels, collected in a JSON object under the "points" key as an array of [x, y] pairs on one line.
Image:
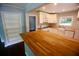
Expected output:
{"points": [[65, 21], [12, 27]]}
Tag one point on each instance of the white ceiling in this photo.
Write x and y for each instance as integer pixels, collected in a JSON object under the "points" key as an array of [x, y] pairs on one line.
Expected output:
{"points": [[59, 7]]}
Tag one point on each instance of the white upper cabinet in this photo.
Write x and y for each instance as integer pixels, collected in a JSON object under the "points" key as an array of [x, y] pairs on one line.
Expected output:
{"points": [[42, 17], [45, 17], [52, 18]]}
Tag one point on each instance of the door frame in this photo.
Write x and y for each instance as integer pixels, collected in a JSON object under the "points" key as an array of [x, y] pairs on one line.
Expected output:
{"points": [[29, 22]]}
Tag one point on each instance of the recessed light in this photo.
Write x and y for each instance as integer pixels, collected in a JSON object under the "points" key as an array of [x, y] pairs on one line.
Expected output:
{"points": [[55, 3], [78, 6], [63, 10], [53, 11], [43, 8]]}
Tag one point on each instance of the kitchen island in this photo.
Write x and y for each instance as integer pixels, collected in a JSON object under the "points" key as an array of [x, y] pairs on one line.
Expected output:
{"points": [[42, 43]]}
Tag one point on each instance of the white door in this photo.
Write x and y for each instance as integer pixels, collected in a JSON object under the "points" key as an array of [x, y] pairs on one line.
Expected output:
{"points": [[12, 27]]}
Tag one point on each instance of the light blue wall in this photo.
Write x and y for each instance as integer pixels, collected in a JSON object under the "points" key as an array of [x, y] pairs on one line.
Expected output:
{"points": [[5, 8], [2, 34], [10, 8], [31, 6], [24, 22]]}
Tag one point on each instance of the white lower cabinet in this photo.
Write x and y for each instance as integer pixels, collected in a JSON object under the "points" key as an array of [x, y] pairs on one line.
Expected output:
{"points": [[76, 35], [69, 34]]}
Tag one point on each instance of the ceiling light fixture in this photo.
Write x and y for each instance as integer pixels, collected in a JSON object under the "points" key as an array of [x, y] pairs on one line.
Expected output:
{"points": [[63, 10], [53, 11], [78, 15], [78, 12], [43, 8], [55, 3]]}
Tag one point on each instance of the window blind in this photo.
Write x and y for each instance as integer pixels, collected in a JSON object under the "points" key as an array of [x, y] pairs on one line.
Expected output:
{"points": [[12, 26]]}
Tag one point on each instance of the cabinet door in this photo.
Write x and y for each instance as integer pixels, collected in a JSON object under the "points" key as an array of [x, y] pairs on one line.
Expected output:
{"points": [[52, 18], [43, 17]]}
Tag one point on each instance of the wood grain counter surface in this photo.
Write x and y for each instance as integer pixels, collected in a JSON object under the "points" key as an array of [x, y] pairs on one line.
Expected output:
{"points": [[44, 43]]}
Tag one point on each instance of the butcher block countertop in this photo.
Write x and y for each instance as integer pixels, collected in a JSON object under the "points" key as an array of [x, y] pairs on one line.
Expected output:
{"points": [[44, 43]]}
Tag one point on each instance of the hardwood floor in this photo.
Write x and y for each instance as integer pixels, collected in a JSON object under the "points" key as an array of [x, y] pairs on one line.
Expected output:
{"points": [[50, 44], [13, 50]]}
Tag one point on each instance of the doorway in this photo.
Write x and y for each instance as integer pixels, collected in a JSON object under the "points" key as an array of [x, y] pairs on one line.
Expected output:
{"points": [[32, 23]]}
